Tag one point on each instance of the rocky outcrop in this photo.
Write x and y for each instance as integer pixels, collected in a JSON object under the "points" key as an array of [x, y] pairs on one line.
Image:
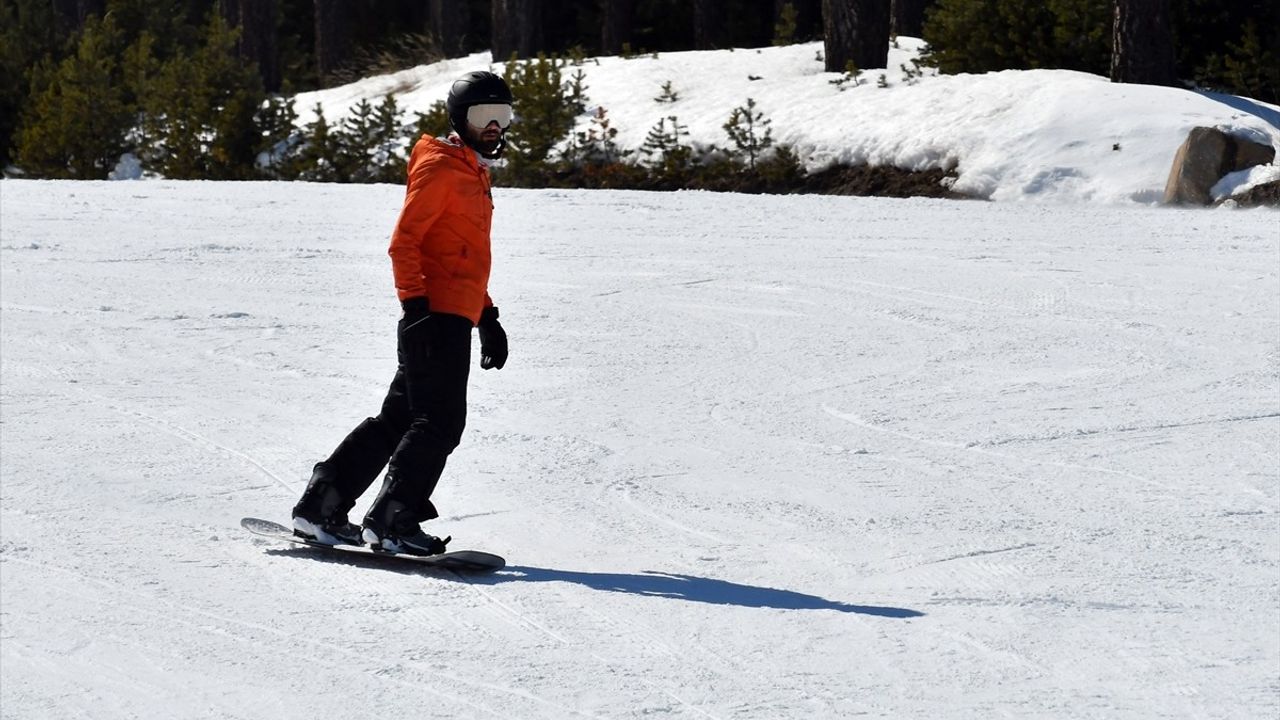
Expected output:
{"points": [[1206, 156], [1267, 194]]}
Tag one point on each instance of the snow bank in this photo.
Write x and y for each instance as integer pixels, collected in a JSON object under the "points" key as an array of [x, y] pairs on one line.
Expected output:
{"points": [[1036, 135]]}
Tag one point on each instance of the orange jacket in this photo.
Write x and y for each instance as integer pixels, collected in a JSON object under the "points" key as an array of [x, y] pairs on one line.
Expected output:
{"points": [[440, 247]]}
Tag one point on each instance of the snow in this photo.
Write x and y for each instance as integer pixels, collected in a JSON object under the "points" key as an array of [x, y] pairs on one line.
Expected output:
{"points": [[753, 457], [1236, 182], [1054, 136]]}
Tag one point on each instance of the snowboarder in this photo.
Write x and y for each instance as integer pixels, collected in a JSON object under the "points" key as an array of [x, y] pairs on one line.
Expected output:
{"points": [[440, 259]]}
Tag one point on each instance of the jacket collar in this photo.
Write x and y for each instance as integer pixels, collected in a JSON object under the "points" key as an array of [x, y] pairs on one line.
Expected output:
{"points": [[473, 158]]}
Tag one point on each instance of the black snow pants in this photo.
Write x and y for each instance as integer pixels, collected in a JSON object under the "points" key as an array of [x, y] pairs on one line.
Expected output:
{"points": [[421, 422]]}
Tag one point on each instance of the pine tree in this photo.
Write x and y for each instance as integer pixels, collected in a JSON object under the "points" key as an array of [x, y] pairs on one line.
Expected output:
{"points": [[782, 172], [1252, 66], [19, 52], [433, 123], [318, 157], [989, 35], [1249, 66], [202, 110], [389, 156], [175, 26], [596, 145], [670, 159], [601, 140], [356, 137], [280, 139], [76, 124], [370, 144], [749, 131], [545, 114], [784, 30]]}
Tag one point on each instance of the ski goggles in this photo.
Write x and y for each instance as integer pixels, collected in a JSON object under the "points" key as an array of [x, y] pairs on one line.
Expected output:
{"points": [[481, 115]]}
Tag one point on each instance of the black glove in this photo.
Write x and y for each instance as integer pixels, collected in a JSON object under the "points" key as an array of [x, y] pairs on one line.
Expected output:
{"points": [[415, 335], [493, 340]]}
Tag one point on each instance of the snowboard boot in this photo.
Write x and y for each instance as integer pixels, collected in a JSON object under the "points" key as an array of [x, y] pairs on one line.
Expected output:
{"points": [[390, 528], [321, 514]]}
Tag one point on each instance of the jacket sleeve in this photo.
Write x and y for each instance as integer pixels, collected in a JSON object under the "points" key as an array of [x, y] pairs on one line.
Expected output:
{"points": [[424, 202]]}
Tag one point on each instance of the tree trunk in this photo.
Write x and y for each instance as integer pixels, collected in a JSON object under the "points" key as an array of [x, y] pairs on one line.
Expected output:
{"points": [[710, 25], [450, 22], [256, 20], [517, 29], [616, 18], [855, 31], [332, 41], [908, 18], [1142, 43]]}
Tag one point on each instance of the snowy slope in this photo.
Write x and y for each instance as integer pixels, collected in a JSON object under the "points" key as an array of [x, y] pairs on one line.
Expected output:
{"points": [[1041, 135], [753, 457]]}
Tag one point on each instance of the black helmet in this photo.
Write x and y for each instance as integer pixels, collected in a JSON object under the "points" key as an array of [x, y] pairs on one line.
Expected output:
{"points": [[476, 88]]}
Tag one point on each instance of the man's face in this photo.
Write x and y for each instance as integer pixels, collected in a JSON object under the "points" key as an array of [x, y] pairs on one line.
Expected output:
{"points": [[486, 138], [485, 124]]}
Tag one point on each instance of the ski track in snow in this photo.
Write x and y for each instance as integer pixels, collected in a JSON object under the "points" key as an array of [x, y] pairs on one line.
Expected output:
{"points": [[753, 457]]}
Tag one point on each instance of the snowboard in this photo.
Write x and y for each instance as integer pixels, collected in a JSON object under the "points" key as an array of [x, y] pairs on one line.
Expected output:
{"points": [[464, 561]]}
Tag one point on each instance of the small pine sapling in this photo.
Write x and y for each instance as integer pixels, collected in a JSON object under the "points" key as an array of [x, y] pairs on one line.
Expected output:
{"points": [[850, 76], [749, 131], [577, 91], [911, 75], [597, 144], [664, 146]]}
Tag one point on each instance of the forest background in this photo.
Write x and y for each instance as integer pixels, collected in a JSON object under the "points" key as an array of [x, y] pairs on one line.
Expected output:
{"points": [[201, 89]]}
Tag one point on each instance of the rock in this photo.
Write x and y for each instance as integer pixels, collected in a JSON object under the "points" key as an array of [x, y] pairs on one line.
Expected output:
{"points": [[1266, 195], [1207, 155], [1251, 154]]}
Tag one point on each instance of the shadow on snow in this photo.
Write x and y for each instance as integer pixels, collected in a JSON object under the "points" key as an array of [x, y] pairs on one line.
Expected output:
{"points": [[1252, 107], [689, 588], [692, 589]]}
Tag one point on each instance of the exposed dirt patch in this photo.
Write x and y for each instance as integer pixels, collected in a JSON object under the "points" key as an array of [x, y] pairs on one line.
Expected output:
{"points": [[882, 181], [777, 176]]}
